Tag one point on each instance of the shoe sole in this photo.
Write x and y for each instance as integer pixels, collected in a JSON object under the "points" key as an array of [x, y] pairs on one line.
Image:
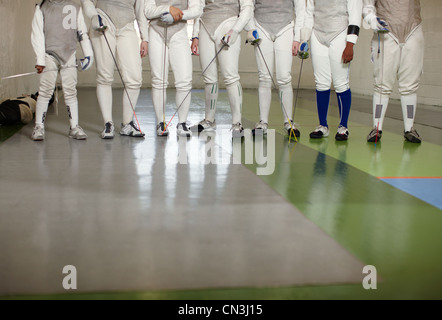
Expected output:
{"points": [[38, 139], [341, 138], [413, 140], [81, 138], [107, 137], [297, 133]]}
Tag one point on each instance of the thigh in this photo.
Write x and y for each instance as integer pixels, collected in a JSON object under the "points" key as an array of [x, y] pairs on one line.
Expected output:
{"points": [[321, 64], [208, 50], [411, 63], [128, 56], [284, 56], [181, 59]]}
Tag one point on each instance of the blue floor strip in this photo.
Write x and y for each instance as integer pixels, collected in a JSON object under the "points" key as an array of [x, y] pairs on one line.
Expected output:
{"points": [[428, 189]]}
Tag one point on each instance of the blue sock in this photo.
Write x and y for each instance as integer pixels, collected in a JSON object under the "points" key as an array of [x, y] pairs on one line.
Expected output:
{"points": [[322, 103], [344, 103]]}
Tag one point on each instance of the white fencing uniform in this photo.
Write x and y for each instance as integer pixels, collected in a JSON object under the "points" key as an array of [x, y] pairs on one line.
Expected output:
{"points": [[397, 55], [274, 21], [330, 20], [55, 37], [174, 51], [119, 17], [334, 24], [218, 18]]}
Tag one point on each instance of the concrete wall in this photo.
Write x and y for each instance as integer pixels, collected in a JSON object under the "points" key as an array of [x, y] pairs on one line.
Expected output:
{"points": [[17, 56]]}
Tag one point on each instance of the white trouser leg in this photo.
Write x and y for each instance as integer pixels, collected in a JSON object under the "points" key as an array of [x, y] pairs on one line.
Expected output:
{"points": [[380, 105], [283, 66], [105, 67], [130, 64], [321, 64], [409, 75], [228, 61], [339, 70], [386, 55], [208, 50], [265, 81], [69, 83], [159, 62], [181, 63], [48, 81]]}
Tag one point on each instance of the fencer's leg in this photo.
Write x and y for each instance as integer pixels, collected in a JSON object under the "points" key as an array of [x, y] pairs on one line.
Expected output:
{"points": [[105, 70], [283, 66], [322, 73], [234, 91], [408, 104], [380, 106], [181, 64], [265, 62], [159, 71], [48, 81], [409, 75], [265, 99], [208, 50], [130, 64]]}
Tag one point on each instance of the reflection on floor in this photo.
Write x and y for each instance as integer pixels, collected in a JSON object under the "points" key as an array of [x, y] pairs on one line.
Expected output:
{"points": [[166, 218]]}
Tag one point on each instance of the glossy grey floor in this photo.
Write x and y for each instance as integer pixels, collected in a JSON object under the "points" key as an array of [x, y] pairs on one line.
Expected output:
{"points": [[130, 216]]}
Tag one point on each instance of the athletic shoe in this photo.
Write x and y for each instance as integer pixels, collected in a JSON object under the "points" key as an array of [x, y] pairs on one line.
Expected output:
{"points": [[319, 132], [39, 133], [109, 131], [260, 128], [160, 130], [131, 130], [342, 134], [77, 133], [289, 127], [182, 130], [204, 125], [374, 135], [237, 130], [412, 136]]}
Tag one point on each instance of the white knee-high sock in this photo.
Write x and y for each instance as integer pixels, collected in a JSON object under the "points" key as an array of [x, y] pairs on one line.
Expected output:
{"points": [[41, 110], [211, 92], [286, 96], [234, 91], [380, 105], [158, 95], [183, 99], [128, 108], [104, 96], [265, 99], [409, 103], [72, 107]]}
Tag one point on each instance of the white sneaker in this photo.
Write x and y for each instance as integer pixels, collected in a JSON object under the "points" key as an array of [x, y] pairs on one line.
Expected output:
{"points": [[342, 134], [131, 130], [260, 128], [182, 130], [320, 132], [204, 125], [160, 130], [237, 130], [77, 133], [39, 133], [291, 126], [109, 131]]}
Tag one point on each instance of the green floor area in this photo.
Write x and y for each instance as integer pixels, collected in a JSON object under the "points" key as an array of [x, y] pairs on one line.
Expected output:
{"points": [[336, 185]]}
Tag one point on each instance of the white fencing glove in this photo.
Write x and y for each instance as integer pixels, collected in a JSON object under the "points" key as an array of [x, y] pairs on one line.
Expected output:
{"points": [[253, 38], [167, 18], [378, 25], [97, 23], [303, 51], [230, 38], [85, 63]]}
